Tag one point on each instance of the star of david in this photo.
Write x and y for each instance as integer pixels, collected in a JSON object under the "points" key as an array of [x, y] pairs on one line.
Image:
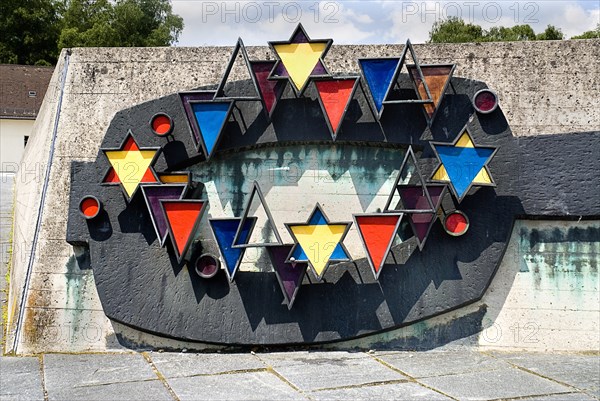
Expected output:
{"points": [[463, 164], [318, 242], [300, 59]]}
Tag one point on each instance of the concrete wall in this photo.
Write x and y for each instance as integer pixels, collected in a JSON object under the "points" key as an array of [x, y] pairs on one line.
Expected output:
{"points": [[544, 88], [12, 142]]}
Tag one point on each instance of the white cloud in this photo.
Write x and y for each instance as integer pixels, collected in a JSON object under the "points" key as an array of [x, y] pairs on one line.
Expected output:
{"points": [[357, 22]]}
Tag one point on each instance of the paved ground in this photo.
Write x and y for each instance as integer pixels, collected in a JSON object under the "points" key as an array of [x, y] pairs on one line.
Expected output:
{"points": [[433, 375], [6, 202]]}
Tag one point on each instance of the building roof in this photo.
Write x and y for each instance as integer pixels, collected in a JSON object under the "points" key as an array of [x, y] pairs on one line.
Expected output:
{"points": [[22, 89]]}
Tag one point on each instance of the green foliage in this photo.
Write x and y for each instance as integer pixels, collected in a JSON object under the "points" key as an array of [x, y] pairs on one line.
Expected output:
{"points": [[551, 33], [34, 31], [29, 31], [595, 34], [125, 23], [455, 30]]}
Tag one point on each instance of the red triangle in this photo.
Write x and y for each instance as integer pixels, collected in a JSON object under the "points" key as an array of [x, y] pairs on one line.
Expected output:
{"points": [[148, 176], [112, 177], [130, 144], [182, 217], [270, 90], [335, 96], [377, 233]]}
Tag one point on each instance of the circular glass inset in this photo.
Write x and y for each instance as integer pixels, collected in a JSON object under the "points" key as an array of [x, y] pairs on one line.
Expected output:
{"points": [[485, 101], [89, 207], [207, 266], [456, 223], [161, 124]]}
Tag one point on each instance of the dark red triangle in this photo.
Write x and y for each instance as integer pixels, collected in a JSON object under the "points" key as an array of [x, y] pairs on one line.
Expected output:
{"points": [[270, 90]]}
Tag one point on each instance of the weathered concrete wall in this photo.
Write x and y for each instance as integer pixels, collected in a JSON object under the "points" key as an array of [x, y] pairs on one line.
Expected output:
{"points": [[544, 88]]}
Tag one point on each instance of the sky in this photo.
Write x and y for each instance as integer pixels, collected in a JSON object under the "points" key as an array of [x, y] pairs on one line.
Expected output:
{"points": [[220, 23]]}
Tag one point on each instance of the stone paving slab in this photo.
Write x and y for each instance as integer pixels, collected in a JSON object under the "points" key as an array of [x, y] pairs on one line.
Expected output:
{"points": [[494, 384], [396, 391], [436, 363], [320, 370], [63, 371], [234, 386], [139, 390], [579, 371], [182, 364], [20, 379], [564, 397]]}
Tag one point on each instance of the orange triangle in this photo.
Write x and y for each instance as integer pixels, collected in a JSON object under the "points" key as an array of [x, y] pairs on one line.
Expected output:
{"points": [[112, 177], [377, 232], [436, 78], [148, 176], [182, 217], [335, 95]]}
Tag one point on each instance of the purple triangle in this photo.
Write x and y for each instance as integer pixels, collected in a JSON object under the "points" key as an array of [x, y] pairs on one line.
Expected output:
{"points": [[289, 277], [299, 37], [421, 223], [414, 198], [153, 195]]}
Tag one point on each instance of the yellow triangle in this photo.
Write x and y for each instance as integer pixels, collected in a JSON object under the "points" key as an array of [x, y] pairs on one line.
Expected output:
{"points": [[319, 242], [482, 177], [299, 59], [464, 141], [441, 174], [130, 166]]}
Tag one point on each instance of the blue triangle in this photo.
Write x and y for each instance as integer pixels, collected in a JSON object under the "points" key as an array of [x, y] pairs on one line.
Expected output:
{"points": [[339, 253], [210, 118], [317, 219], [224, 231], [463, 164], [299, 253], [379, 74]]}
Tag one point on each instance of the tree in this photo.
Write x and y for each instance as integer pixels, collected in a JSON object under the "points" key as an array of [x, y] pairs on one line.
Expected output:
{"points": [[123, 23], [595, 34], [516, 33], [551, 33], [455, 30], [29, 31], [34, 31]]}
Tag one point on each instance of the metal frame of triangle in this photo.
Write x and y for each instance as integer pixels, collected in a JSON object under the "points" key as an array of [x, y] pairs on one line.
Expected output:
{"points": [[256, 190], [423, 184], [219, 93], [272, 44], [377, 272], [407, 47], [356, 78], [485, 165]]}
